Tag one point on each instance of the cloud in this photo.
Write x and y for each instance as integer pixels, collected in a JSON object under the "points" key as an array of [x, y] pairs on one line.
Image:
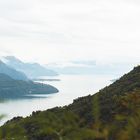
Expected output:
{"points": [[81, 64], [69, 30]]}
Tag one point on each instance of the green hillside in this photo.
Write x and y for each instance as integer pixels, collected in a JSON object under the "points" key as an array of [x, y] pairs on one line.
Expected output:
{"points": [[111, 114]]}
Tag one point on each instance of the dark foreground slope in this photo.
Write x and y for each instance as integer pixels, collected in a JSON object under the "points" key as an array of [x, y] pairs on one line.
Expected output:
{"points": [[111, 114], [11, 89]]}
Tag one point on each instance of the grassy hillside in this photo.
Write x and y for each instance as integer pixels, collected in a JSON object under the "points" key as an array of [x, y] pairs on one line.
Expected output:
{"points": [[111, 114]]}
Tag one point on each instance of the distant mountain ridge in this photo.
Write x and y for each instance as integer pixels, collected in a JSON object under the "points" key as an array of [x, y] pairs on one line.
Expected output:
{"points": [[12, 89], [4, 77], [5, 69], [89, 68], [32, 70]]}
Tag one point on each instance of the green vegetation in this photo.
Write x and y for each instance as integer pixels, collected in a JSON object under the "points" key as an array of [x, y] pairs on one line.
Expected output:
{"points": [[111, 114]]}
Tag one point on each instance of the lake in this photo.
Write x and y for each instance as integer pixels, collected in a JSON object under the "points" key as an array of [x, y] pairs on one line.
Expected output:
{"points": [[70, 87]]}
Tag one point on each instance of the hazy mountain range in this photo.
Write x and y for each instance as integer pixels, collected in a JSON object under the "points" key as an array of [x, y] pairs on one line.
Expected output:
{"points": [[12, 72], [90, 67], [15, 84], [32, 70], [35, 70]]}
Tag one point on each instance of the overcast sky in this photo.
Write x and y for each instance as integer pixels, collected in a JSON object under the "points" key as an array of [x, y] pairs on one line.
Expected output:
{"points": [[47, 31]]}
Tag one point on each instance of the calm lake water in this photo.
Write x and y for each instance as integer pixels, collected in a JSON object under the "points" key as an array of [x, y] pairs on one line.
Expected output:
{"points": [[70, 87]]}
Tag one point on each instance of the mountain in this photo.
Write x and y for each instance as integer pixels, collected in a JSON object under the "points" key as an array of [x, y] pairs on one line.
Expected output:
{"points": [[12, 89], [15, 84], [32, 70], [89, 68], [111, 114], [12, 72]]}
